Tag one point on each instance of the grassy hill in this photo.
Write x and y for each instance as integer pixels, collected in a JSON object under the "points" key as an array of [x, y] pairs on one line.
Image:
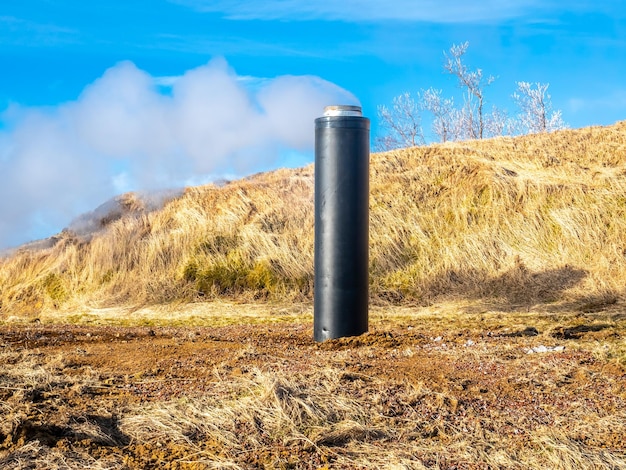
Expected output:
{"points": [[529, 220]]}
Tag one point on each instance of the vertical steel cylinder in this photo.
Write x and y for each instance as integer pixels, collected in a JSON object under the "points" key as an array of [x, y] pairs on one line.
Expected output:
{"points": [[341, 223]]}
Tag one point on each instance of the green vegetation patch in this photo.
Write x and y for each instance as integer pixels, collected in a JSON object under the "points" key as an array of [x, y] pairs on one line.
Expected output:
{"points": [[230, 276], [54, 288]]}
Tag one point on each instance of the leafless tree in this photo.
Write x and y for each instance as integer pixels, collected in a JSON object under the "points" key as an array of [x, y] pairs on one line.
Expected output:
{"points": [[499, 123], [535, 104], [474, 82], [402, 124], [445, 116]]}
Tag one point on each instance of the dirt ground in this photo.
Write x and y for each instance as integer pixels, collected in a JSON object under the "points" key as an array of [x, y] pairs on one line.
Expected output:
{"points": [[423, 393]]}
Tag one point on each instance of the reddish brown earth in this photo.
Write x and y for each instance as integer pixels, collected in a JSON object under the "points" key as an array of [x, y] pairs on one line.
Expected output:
{"points": [[100, 372]]}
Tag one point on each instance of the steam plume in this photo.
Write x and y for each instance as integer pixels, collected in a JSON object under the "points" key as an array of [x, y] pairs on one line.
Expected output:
{"points": [[131, 131]]}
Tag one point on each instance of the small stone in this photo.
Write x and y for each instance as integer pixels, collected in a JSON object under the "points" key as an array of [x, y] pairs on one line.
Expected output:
{"points": [[437, 339], [469, 342], [529, 331]]}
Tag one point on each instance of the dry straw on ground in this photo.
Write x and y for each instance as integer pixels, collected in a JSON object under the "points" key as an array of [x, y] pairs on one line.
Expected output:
{"points": [[439, 389]]}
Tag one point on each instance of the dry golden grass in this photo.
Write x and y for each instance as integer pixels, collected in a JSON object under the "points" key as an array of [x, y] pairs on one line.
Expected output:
{"points": [[526, 220], [331, 416]]}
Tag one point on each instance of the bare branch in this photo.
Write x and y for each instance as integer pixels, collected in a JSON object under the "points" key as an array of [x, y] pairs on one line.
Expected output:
{"points": [[445, 116], [475, 83], [535, 107], [402, 123]]}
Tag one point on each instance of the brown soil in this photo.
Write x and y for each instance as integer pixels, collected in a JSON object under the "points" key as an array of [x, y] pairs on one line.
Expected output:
{"points": [[478, 377]]}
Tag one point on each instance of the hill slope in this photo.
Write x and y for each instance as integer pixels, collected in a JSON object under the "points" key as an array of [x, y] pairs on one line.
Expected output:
{"points": [[525, 220]]}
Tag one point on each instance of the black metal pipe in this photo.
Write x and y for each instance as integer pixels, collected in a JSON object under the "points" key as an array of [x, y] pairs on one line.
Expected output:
{"points": [[341, 223]]}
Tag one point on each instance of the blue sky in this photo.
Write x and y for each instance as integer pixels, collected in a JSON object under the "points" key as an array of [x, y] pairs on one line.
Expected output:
{"points": [[93, 94]]}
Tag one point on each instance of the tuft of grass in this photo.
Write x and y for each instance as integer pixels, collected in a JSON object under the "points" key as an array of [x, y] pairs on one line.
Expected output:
{"points": [[55, 289], [318, 417]]}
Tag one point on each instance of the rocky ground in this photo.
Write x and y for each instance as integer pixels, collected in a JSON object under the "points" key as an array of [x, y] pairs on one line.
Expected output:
{"points": [[543, 391]]}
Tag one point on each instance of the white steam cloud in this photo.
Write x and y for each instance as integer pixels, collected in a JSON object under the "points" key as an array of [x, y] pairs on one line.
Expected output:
{"points": [[131, 131]]}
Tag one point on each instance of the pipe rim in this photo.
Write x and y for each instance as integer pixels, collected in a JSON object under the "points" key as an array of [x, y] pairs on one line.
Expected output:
{"points": [[343, 110]]}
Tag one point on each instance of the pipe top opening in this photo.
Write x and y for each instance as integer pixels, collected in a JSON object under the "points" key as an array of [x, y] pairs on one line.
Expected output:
{"points": [[342, 110]]}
